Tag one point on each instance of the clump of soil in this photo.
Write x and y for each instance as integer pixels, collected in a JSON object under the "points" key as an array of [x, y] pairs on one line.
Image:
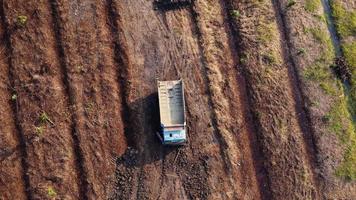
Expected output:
{"points": [[124, 172], [341, 69]]}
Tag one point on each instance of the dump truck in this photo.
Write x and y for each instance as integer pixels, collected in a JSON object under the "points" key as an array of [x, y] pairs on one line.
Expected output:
{"points": [[172, 112]]}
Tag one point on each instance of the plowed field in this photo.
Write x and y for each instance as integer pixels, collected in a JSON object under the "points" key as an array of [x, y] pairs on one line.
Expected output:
{"points": [[267, 116]]}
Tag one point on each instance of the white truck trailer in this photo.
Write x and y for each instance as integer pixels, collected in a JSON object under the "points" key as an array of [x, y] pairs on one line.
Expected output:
{"points": [[172, 112]]}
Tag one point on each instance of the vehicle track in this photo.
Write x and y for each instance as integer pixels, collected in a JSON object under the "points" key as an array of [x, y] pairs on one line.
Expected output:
{"points": [[12, 151], [42, 108], [170, 36], [300, 104], [228, 96], [91, 67], [60, 52], [93, 78], [318, 102], [140, 106], [253, 31]]}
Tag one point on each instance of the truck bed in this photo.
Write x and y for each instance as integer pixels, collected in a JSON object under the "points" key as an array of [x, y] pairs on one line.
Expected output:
{"points": [[171, 102]]}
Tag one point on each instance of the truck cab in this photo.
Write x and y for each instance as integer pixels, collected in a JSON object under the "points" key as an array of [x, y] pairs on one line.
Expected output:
{"points": [[172, 113]]}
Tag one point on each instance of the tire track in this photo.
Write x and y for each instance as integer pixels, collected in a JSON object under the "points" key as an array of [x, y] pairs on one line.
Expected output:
{"points": [[319, 102], [140, 107], [218, 50], [13, 166], [219, 165], [216, 102], [79, 155], [257, 32], [262, 172], [167, 48], [122, 61], [300, 104], [258, 156], [93, 77], [36, 78]]}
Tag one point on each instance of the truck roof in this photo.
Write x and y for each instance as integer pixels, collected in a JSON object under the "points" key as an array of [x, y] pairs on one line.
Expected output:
{"points": [[171, 102]]}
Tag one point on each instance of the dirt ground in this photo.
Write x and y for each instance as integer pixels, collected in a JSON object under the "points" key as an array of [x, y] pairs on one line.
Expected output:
{"points": [[79, 106]]}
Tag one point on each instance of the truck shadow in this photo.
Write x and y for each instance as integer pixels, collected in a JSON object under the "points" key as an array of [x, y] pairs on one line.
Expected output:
{"points": [[142, 123], [170, 6]]}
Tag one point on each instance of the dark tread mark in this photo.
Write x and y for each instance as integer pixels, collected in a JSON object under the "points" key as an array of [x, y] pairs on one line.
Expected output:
{"points": [[235, 37], [20, 135], [304, 115], [83, 184]]}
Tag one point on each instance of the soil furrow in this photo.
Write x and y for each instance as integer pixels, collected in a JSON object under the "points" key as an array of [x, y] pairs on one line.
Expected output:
{"points": [[79, 155], [222, 59], [92, 72], [303, 115], [258, 156], [41, 108], [122, 62], [163, 44], [13, 181], [313, 53], [141, 125], [271, 94]]}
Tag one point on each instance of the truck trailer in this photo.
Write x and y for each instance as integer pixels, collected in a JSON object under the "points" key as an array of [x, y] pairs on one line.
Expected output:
{"points": [[172, 112]]}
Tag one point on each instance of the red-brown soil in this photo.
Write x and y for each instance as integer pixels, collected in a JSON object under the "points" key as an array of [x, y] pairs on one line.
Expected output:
{"points": [[12, 184], [83, 119], [37, 80]]}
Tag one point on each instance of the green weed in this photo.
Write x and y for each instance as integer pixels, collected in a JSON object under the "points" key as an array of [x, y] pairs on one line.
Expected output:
{"points": [[21, 20], [39, 130], [290, 3], [270, 58], [235, 13], [14, 97], [340, 123], [349, 51], [301, 51], [266, 33], [322, 75], [51, 193], [44, 118], [312, 5], [345, 20]]}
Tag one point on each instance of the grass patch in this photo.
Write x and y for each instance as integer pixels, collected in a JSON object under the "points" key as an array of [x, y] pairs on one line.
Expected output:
{"points": [[266, 32], [290, 3], [39, 130], [270, 58], [44, 118], [346, 26], [312, 5], [339, 119], [340, 122], [328, 54], [345, 20], [349, 51], [322, 75], [348, 167], [51, 193], [319, 35], [21, 20], [235, 13]]}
